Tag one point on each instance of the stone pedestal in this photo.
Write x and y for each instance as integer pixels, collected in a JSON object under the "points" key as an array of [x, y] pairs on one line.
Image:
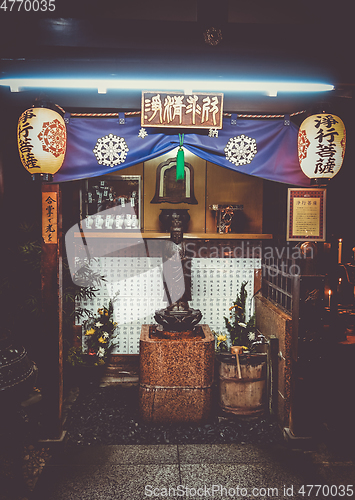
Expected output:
{"points": [[176, 377]]}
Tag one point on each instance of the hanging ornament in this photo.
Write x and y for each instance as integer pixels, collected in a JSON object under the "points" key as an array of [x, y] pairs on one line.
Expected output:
{"points": [[180, 160], [321, 146], [41, 138], [110, 150], [142, 133], [212, 36]]}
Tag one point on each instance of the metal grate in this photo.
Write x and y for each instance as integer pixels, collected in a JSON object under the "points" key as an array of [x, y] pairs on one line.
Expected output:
{"points": [[277, 281]]}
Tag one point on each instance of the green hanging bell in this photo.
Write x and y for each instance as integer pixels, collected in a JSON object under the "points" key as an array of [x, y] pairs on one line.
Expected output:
{"points": [[180, 160]]}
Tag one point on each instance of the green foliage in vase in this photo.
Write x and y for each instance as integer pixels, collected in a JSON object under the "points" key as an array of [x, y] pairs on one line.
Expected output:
{"points": [[83, 286], [241, 333]]}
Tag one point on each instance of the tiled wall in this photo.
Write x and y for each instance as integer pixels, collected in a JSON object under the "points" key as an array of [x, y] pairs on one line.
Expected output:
{"points": [[136, 287]]}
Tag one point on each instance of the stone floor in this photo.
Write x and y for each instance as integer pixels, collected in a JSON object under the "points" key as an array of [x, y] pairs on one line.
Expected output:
{"points": [[257, 464], [103, 459], [134, 472]]}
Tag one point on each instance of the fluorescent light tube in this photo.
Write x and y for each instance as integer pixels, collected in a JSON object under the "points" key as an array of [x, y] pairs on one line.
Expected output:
{"points": [[102, 85]]}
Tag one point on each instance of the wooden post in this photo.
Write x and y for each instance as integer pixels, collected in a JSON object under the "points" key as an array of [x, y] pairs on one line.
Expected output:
{"points": [[307, 349], [273, 374], [51, 364]]}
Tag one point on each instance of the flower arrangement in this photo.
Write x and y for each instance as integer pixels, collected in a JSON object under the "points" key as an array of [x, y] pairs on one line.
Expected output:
{"points": [[99, 333], [221, 342], [241, 333]]}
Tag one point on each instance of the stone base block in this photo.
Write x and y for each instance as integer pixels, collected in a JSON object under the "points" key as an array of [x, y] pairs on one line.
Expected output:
{"points": [[172, 405], [176, 377]]}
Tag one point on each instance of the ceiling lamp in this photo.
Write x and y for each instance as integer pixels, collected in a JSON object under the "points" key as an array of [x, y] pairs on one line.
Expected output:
{"points": [[41, 139], [102, 85], [321, 146]]}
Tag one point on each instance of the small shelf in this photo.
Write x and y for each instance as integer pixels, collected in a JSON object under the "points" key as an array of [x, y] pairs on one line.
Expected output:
{"points": [[228, 236], [156, 235]]}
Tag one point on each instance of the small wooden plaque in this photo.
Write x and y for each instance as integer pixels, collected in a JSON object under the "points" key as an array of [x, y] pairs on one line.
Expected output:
{"points": [[306, 214], [49, 217]]}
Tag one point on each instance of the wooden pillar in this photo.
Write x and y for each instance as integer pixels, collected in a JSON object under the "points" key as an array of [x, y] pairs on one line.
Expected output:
{"points": [[51, 359], [273, 374], [307, 352]]}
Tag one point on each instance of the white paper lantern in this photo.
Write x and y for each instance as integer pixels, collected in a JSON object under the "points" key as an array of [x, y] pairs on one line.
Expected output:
{"points": [[321, 145], [41, 139]]}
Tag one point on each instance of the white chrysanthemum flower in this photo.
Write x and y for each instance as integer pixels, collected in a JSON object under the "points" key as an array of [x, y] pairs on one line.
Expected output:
{"points": [[242, 324], [98, 324], [101, 352], [105, 335], [251, 336]]}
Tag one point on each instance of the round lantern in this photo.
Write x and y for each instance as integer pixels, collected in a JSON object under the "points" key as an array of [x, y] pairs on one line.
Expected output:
{"points": [[41, 139], [321, 146]]}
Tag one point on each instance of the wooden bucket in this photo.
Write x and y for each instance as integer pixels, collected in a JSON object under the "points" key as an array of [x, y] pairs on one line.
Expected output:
{"points": [[242, 389]]}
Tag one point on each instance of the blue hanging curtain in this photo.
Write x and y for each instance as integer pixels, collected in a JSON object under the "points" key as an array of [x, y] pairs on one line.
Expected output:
{"points": [[263, 148]]}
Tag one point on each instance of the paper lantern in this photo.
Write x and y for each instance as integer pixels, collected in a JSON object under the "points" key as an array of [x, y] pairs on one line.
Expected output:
{"points": [[321, 146], [41, 139]]}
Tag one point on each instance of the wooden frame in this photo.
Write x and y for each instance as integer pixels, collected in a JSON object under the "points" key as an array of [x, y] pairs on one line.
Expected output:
{"points": [[182, 191], [176, 109], [306, 214]]}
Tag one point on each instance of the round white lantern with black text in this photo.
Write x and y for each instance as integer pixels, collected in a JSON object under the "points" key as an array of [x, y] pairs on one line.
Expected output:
{"points": [[321, 146], [41, 138]]}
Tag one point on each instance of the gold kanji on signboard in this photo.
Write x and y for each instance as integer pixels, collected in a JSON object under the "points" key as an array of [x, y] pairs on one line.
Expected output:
{"points": [[176, 109]]}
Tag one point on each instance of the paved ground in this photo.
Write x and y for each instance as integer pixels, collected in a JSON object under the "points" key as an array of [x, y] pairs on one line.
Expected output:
{"points": [[252, 470], [135, 472]]}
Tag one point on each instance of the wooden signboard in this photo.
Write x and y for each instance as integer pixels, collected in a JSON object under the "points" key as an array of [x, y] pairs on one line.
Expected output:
{"points": [[306, 214], [176, 109], [49, 217]]}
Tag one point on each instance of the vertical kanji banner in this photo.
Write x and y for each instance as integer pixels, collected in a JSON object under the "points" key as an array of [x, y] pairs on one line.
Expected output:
{"points": [[49, 217]]}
